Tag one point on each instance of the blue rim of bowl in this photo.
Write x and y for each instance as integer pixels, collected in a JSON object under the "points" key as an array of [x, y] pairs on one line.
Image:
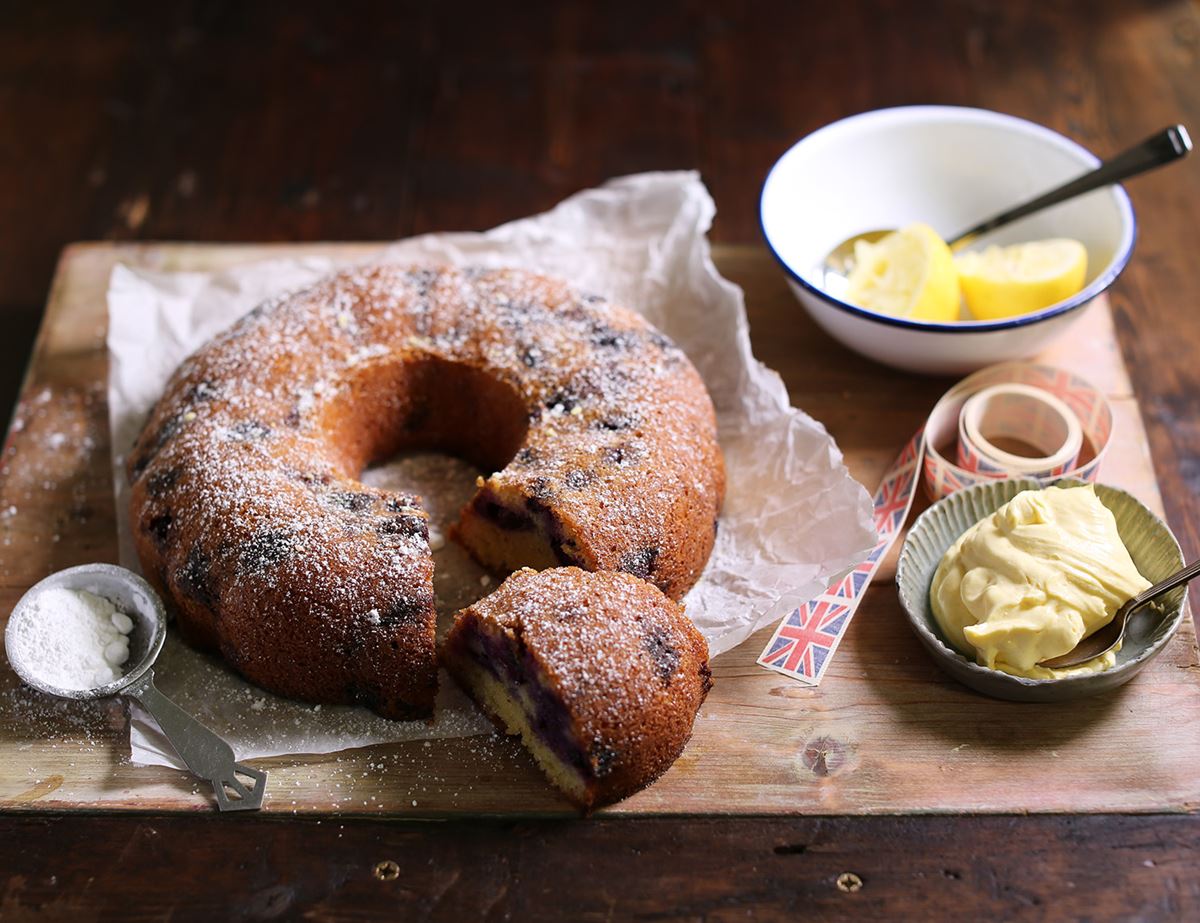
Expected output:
{"points": [[1098, 285], [947, 650]]}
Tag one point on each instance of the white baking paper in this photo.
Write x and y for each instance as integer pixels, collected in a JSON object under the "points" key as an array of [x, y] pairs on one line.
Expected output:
{"points": [[793, 517]]}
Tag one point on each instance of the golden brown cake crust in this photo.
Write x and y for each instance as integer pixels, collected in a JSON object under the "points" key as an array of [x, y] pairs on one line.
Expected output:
{"points": [[247, 510], [627, 666]]}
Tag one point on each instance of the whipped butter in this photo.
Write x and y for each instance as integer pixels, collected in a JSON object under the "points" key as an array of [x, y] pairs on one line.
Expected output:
{"points": [[1033, 579]]}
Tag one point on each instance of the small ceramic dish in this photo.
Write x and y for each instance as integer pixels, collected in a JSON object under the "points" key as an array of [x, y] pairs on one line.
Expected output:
{"points": [[950, 167], [1153, 548]]}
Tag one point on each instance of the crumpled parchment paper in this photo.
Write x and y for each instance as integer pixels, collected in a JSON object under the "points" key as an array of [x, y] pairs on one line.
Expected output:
{"points": [[793, 517]]}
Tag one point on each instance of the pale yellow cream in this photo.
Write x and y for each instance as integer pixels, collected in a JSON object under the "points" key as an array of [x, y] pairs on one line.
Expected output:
{"points": [[1030, 581]]}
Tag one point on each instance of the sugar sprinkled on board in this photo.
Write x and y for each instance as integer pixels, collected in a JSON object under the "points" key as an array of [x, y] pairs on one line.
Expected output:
{"points": [[72, 639]]}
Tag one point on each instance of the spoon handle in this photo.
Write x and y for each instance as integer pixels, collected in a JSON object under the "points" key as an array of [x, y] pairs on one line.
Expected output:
{"points": [[206, 754], [1180, 576], [1168, 145]]}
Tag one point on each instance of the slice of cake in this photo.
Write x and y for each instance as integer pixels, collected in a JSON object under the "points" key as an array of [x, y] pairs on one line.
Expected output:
{"points": [[600, 673]]}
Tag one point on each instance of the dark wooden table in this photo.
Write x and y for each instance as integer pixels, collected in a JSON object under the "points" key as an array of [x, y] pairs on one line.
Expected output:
{"points": [[259, 122]]}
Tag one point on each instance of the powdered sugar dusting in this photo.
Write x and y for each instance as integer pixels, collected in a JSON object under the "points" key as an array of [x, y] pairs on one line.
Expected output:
{"points": [[605, 638], [247, 504], [41, 502], [793, 519], [608, 670], [259, 723]]}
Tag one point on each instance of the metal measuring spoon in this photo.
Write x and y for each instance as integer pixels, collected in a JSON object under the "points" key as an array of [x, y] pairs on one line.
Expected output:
{"points": [[1102, 641], [206, 754], [1159, 149]]}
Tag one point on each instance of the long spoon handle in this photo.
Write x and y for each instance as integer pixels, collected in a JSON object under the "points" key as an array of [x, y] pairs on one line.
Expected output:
{"points": [[1180, 576], [1168, 145], [237, 787]]}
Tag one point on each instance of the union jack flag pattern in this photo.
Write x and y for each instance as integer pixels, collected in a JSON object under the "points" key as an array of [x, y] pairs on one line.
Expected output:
{"points": [[804, 642]]}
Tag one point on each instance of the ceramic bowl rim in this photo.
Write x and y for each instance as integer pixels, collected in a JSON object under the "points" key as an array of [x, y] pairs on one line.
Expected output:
{"points": [[944, 650], [1101, 283]]}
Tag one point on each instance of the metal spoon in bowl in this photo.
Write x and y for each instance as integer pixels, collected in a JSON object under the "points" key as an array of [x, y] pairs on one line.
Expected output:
{"points": [[1105, 639], [1168, 145], [237, 787]]}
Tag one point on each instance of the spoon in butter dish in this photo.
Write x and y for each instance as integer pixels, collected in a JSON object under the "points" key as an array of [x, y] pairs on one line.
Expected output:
{"points": [[1103, 640]]}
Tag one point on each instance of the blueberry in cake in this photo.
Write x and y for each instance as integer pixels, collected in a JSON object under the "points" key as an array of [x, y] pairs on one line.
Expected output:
{"points": [[249, 516], [600, 673]]}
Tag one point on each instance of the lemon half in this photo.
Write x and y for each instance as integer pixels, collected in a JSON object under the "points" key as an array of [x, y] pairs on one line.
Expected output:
{"points": [[1006, 281], [909, 273]]}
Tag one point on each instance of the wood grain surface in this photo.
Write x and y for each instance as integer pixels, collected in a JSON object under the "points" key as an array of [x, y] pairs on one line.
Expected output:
{"points": [[272, 122], [283, 122], [885, 732], [719, 870]]}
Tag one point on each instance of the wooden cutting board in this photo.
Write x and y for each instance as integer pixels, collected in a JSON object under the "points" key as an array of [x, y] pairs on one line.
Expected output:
{"points": [[885, 732]]}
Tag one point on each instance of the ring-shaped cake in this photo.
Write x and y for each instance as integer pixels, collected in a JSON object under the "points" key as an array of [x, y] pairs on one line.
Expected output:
{"points": [[249, 515]]}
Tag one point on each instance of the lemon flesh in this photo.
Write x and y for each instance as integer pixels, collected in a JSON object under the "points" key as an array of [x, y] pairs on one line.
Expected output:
{"points": [[909, 273], [1008, 281]]}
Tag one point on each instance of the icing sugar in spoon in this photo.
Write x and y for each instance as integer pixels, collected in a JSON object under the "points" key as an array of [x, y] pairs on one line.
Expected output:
{"points": [[1162, 148], [237, 787]]}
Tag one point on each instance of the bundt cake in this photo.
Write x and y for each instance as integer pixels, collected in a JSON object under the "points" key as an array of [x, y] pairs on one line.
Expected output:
{"points": [[247, 509], [600, 673]]}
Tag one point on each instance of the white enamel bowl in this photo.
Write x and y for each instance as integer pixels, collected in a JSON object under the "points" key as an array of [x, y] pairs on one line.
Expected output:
{"points": [[950, 167]]}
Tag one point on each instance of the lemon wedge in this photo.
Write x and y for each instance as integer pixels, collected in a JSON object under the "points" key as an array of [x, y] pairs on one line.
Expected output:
{"points": [[909, 273], [1006, 281]]}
